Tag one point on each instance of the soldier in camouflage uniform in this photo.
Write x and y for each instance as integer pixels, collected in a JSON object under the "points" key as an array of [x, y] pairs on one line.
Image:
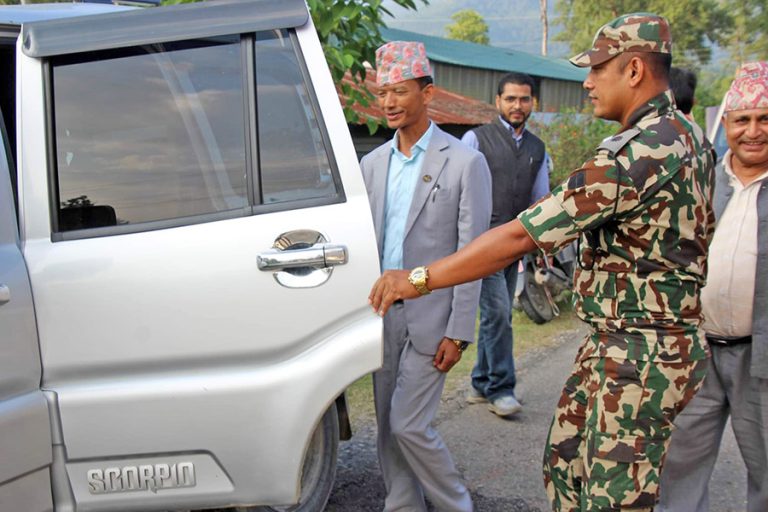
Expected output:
{"points": [[641, 209]]}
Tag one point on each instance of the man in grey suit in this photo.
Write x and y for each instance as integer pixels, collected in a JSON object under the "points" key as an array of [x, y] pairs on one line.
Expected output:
{"points": [[430, 195], [735, 305]]}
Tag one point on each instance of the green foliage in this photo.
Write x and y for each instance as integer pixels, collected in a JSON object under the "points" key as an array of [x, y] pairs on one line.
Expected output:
{"points": [[571, 138], [694, 23], [749, 39], [469, 26], [710, 90], [350, 32]]}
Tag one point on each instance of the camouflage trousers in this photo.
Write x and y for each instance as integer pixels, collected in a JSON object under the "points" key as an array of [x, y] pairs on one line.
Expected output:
{"points": [[610, 432]]}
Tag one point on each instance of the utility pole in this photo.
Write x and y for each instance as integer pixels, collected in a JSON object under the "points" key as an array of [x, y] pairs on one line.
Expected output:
{"points": [[544, 26]]}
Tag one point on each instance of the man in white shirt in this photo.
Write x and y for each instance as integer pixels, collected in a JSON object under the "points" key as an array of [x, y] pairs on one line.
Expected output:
{"points": [[735, 304]]}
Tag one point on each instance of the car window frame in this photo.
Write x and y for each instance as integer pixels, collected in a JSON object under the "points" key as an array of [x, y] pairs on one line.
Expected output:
{"points": [[260, 207]]}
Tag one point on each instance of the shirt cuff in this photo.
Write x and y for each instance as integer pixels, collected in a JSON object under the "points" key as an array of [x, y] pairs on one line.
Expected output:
{"points": [[549, 225]]}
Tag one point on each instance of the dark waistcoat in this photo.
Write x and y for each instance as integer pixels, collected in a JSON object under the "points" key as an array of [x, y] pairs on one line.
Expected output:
{"points": [[513, 169]]}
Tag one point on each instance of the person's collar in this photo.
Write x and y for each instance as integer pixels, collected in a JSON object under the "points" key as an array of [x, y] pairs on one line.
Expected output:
{"points": [[732, 175], [655, 107], [727, 164], [421, 144], [509, 127]]}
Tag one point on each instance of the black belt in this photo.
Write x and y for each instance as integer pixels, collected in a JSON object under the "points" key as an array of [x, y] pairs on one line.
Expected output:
{"points": [[721, 340]]}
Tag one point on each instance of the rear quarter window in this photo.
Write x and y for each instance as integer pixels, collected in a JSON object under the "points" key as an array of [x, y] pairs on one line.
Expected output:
{"points": [[294, 163]]}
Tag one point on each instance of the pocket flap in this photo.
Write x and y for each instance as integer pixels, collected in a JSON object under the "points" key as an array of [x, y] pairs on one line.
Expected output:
{"points": [[627, 449]]}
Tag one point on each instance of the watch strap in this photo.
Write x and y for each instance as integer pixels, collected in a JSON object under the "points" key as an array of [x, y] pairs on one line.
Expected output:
{"points": [[418, 278], [460, 344]]}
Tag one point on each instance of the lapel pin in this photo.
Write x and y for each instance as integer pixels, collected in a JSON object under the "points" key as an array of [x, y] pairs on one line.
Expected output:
{"points": [[427, 178]]}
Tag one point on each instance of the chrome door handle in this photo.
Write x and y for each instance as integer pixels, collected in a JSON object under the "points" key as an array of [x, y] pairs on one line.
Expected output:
{"points": [[316, 256], [5, 294], [302, 258]]}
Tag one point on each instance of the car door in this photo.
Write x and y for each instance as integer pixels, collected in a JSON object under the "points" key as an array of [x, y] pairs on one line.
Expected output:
{"points": [[202, 273], [25, 436]]}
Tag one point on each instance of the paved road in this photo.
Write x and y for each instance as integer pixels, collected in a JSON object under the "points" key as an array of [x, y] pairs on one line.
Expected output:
{"points": [[501, 459]]}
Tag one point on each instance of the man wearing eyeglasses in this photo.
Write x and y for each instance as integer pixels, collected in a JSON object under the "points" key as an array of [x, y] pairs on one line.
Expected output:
{"points": [[520, 173]]}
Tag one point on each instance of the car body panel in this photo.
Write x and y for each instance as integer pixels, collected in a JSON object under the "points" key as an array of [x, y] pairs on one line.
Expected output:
{"points": [[25, 443], [168, 346]]}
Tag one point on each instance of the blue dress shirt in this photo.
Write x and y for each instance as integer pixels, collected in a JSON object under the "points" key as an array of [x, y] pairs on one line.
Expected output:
{"points": [[402, 177]]}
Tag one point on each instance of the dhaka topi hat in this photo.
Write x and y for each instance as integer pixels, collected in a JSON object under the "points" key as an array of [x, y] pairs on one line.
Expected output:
{"points": [[749, 89], [636, 32], [398, 61]]}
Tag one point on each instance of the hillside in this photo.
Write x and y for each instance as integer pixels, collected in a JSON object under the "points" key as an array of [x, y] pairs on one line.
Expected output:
{"points": [[511, 23]]}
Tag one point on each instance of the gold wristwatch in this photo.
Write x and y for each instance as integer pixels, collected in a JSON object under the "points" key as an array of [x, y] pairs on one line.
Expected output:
{"points": [[418, 278], [460, 344]]}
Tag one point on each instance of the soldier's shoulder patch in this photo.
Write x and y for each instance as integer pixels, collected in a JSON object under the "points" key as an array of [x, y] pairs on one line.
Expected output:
{"points": [[614, 143]]}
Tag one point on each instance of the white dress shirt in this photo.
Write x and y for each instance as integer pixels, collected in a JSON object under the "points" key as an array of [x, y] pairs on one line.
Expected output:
{"points": [[729, 294]]}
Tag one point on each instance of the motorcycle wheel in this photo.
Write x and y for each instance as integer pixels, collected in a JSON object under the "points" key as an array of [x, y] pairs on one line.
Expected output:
{"points": [[533, 299]]}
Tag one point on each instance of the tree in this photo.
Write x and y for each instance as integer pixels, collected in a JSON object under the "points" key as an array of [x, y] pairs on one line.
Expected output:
{"points": [[571, 137], [749, 38], [350, 32], [469, 26], [695, 24], [712, 86]]}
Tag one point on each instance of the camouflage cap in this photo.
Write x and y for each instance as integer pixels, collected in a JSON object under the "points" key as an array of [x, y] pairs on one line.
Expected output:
{"points": [[398, 61], [636, 32], [749, 89]]}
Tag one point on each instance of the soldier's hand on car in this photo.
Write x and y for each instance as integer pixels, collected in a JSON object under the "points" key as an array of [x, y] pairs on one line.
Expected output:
{"points": [[393, 285]]}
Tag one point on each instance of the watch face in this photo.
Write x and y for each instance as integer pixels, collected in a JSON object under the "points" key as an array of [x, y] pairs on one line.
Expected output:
{"points": [[417, 275], [418, 278]]}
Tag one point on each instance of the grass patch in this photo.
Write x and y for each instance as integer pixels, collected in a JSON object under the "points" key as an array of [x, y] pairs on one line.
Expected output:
{"points": [[528, 335], [360, 401]]}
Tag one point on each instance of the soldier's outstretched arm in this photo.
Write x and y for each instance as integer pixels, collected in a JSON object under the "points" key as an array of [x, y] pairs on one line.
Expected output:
{"points": [[492, 251]]}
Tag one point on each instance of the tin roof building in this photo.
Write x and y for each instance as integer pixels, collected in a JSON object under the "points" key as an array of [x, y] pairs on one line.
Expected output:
{"points": [[474, 70]]}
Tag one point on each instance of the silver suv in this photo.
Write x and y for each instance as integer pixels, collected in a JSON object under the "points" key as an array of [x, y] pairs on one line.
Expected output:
{"points": [[185, 253]]}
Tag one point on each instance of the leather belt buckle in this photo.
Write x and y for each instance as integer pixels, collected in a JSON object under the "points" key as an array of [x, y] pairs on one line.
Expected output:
{"points": [[726, 342]]}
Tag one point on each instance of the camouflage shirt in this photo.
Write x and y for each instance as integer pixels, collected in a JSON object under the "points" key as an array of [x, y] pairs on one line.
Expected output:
{"points": [[642, 207]]}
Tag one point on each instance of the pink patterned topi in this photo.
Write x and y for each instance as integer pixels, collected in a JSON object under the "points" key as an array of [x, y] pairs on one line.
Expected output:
{"points": [[398, 61], [749, 89]]}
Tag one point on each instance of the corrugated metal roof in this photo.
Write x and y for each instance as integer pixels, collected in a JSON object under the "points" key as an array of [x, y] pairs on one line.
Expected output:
{"points": [[462, 53], [445, 108]]}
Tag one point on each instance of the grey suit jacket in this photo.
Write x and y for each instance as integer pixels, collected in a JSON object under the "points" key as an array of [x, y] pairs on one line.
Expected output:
{"points": [[723, 193], [451, 205]]}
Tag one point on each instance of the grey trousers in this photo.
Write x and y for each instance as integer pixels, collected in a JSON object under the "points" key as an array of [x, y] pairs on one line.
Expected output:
{"points": [[728, 390], [414, 459]]}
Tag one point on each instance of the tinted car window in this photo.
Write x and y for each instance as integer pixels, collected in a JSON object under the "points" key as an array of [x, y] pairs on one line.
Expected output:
{"points": [[150, 134], [293, 162]]}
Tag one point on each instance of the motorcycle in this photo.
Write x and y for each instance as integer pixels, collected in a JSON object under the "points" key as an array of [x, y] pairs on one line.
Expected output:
{"points": [[541, 281]]}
